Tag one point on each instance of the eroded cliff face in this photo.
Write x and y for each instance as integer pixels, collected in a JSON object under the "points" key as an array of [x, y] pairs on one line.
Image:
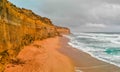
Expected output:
{"points": [[63, 30], [20, 27]]}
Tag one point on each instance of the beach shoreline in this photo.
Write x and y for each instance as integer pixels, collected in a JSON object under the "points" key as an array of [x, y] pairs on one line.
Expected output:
{"points": [[84, 61], [55, 55]]}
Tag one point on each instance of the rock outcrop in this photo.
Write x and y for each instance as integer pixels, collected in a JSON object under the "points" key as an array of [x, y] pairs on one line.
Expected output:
{"points": [[62, 30], [20, 27]]}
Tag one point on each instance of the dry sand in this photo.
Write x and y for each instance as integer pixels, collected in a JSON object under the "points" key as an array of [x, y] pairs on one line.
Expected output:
{"points": [[42, 56], [51, 55]]}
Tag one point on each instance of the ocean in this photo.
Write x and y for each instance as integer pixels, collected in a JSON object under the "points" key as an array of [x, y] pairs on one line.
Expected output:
{"points": [[101, 45]]}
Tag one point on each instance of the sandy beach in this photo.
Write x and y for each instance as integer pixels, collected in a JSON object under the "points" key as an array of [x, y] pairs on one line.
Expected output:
{"points": [[55, 55], [42, 56]]}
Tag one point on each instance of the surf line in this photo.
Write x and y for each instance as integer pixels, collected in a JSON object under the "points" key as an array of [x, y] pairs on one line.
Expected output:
{"points": [[78, 68]]}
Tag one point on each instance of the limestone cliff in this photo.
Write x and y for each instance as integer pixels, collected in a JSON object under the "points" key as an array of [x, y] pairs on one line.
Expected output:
{"points": [[62, 30], [20, 27]]}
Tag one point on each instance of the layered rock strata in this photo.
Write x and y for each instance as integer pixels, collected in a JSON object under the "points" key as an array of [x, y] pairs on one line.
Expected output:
{"points": [[20, 27]]}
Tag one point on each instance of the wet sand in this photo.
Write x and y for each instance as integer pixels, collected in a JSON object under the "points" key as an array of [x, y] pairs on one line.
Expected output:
{"points": [[84, 61]]}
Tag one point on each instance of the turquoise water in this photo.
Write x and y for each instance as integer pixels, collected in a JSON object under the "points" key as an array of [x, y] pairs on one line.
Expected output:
{"points": [[103, 46], [113, 51]]}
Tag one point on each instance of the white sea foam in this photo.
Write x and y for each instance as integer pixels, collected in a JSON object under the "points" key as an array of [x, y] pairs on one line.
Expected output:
{"points": [[87, 51], [114, 38], [109, 41]]}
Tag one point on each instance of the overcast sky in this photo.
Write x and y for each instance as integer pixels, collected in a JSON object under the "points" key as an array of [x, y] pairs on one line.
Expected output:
{"points": [[78, 15]]}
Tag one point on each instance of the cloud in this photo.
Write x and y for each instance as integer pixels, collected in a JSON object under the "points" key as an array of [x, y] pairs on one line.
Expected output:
{"points": [[95, 25], [105, 13], [78, 14], [106, 10]]}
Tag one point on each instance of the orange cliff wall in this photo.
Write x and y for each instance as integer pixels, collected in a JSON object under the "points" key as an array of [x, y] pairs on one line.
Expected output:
{"points": [[63, 30], [20, 27]]}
